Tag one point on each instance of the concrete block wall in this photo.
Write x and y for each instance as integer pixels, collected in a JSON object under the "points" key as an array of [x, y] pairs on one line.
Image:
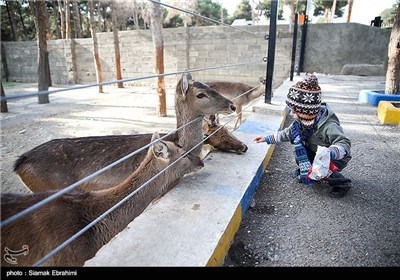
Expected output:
{"points": [[71, 61], [330, 47]]}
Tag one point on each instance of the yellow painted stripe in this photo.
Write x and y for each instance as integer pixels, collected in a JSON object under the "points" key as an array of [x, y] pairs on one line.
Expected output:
{"points": [[218, 256]]}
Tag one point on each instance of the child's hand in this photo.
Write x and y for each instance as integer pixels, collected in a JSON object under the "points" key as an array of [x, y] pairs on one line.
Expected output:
{"points": [[259, 139]]}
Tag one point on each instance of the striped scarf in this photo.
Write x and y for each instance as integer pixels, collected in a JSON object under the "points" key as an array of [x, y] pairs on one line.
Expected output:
{"points": [[298, 137]]}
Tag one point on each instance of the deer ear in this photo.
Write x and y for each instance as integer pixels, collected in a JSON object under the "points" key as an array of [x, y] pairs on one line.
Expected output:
{"points": [[186, 81], [155, 136], [160, 150]]}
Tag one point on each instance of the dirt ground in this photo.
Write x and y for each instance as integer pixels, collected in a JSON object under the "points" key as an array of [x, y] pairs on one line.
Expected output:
{"points": [[77, 113]]}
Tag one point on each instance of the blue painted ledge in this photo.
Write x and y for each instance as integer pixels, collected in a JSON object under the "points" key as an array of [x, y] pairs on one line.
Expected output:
{"points": [[374, 96]]}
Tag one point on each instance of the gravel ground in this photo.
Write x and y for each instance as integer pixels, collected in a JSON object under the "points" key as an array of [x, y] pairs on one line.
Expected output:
{"points": [[290, 225]]}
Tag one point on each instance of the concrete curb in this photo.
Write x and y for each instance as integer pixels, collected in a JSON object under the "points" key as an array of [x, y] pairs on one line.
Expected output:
{"points": [[373, 97], [388, 113]]}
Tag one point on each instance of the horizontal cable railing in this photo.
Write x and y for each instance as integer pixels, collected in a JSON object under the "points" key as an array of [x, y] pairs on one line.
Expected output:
{"points": [[80, 182]]}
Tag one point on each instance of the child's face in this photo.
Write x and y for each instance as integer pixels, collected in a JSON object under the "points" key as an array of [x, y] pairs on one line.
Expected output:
{"points": [[301, 117], [294, 114]]}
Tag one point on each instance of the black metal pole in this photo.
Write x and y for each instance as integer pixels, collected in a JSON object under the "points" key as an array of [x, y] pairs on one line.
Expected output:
{"points": [[303, 45], [271, 51], [294, 46]]}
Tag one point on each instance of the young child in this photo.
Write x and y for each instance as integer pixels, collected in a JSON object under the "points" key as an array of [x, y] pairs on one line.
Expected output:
{"points": [[315, 125]]}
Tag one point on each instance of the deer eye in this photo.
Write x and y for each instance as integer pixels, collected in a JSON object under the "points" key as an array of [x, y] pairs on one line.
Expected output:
{"points": [[201, 95]]}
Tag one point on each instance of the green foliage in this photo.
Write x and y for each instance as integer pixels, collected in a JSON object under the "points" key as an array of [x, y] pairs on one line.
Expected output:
{"points": [[388, 15], [322, 5], [25, 26], [264, 8], [243, 10], [209, 9]]}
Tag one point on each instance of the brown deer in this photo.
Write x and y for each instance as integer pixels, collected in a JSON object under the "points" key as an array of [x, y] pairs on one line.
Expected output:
{"points": [[42, 230], [240, 94], [220, 137], [61, 162]]}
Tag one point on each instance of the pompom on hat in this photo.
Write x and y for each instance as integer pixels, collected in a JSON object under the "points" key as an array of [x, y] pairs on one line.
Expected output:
{"points": [[304, 98]]}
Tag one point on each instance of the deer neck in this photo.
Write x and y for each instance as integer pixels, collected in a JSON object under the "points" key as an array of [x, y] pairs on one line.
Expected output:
{"points": [[118, 219], [257, 92], [192, 134]]}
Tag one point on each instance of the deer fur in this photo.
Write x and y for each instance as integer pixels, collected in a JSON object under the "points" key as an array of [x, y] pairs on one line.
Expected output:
{"points": [[50, 225], [61, 162], [240, 94], [222, 139]]}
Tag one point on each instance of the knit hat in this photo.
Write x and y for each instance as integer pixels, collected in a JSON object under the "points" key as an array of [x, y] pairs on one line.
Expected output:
{"points": [[304, 98]]}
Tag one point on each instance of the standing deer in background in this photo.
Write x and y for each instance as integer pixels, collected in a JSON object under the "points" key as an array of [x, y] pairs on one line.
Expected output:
{"points": [[240, 94], [50, 225], [61, 162]]}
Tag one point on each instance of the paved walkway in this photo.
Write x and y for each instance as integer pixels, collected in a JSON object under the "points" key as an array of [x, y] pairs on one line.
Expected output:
{"points": [[195, 223], [293, 225]]}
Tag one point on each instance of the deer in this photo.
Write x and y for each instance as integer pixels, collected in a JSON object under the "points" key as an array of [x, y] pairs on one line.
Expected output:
{"points": [[59, 163], [39, 232], [241, 95], [220, 138]]}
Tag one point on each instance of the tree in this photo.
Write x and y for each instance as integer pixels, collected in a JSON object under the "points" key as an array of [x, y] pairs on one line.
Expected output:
{"points": [[114, 16], [210, 9], [77, 20], [388, 16], [4, 108], [39, 14], [56, 18], [243, 10], [175, 18], [62, 18], [265, 8], [349, 10], [324, 7], [99, 73], [67, 20], [392, 85], [158, 41], [11, 17]]}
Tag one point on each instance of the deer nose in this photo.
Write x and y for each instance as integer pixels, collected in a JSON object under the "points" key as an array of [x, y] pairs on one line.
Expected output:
{"points": [[233, 108]]}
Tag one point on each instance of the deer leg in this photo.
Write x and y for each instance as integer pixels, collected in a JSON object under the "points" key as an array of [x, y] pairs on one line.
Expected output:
{"points": [[238, 120]]}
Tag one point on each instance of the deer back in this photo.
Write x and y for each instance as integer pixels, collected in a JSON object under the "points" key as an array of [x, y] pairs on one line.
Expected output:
{"points": [[50, 225]]}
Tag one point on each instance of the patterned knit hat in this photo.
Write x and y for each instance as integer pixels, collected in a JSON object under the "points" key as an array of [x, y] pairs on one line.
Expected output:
{"points": [[305, 98]]}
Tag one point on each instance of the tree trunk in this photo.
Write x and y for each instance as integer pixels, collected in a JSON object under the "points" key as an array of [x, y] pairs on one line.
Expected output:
{"points": [[333, 9], [67, 20], [11, 17], [38, 9], [4, 108], [6, 73], [349, 10], [57, 19], [23, 24], [99, 74], [393, 71], [156, 28], [77, 20], [135, 15], [114, 15], [62, 19]]}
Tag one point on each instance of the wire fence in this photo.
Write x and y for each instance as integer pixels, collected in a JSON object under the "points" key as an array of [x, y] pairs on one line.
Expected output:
{"points": [[59, 193]]}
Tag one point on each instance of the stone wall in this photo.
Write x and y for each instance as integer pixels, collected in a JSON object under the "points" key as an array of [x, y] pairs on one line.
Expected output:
{"points": [[343, 48], [330, 48], [71, 61]]}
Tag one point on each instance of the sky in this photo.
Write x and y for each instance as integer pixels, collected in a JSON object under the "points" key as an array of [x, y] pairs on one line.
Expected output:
{"points": [[363, 10]]}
